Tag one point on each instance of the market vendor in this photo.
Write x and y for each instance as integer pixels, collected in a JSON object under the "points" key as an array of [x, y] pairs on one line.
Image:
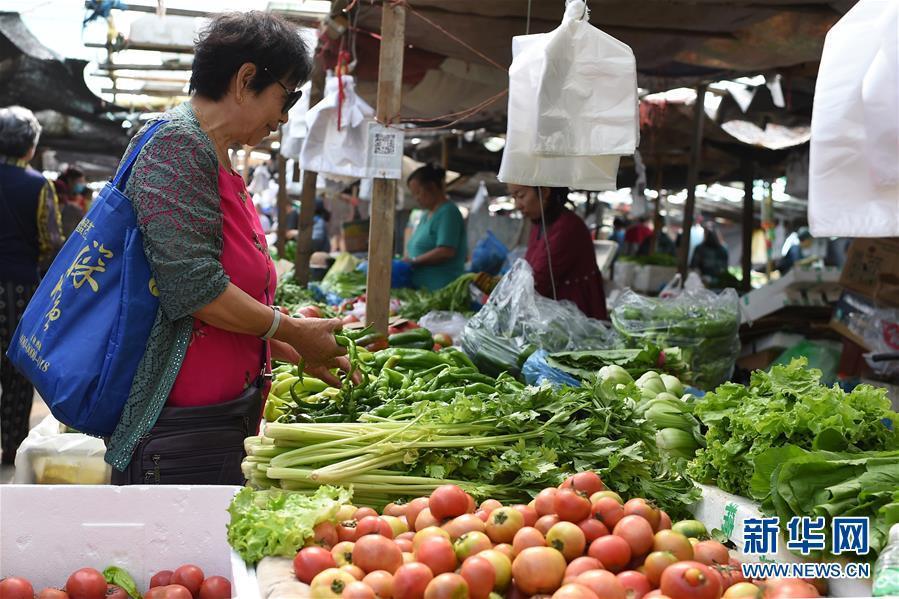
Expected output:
{"points": [[199, 389], [438, 247], [560, 249]]}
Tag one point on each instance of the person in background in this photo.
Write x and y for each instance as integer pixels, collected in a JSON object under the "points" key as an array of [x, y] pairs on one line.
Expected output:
{"points": [[438, 247], [795, 249], [664, 244], [564, 261], [636, 234], [619, 227], [30, 235], [71, 186], [710, 257], [320, 241]]}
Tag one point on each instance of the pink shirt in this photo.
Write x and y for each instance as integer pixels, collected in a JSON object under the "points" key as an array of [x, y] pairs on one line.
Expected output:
{"points": [[220, 365]]}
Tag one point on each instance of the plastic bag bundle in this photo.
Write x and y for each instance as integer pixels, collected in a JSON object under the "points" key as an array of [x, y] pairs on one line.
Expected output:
{"points": [[51, 456], [517, 320], [703, 324], [584, 115], [854, 160], [489, 254]]}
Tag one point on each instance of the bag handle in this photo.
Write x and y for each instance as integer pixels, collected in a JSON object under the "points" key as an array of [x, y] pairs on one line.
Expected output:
{"points": [[121, 178]]}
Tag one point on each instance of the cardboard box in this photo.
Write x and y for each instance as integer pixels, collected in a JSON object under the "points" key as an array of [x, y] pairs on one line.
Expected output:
{"points": [[49, 531], [802, 286], [872, 269]]}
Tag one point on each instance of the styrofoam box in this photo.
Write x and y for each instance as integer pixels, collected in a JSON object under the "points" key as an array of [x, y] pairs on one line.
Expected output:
{"points": [[49, 531], [802, 286], [711, 509], [651, 278]]}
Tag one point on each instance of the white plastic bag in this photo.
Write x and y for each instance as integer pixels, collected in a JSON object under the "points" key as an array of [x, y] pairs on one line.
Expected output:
{"points": [[448, 323], [854, 162], [583, 116], [50, 456]]}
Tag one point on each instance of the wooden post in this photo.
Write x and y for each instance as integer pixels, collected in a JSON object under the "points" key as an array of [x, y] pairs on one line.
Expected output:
{"points": [[692, 178], [282, 202], [383, 203], [307, 199], [748, 224]]}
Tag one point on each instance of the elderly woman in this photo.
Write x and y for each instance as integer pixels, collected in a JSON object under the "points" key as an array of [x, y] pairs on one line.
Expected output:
{"points": [[198, 390], [29, 238]]}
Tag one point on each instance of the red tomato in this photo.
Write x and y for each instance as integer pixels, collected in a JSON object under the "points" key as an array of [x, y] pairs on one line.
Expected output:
{"points": [[443, 339], [464, 524], [354, 571], [482, 514], [342, 553], [395, 509], [472, 505], [527, 537], [374, 552], [568, 539], [503, 523], [544, 523], [470, 544], [116, 592], [411, 580], [635, 584], [86, 583], [48, 593], [574, 590], [480, 575], [436, 553], [711, 553], [16, 588], [787, 588], [310, 561], [608, 511], [664, 521], [505, 549], [690, 580], [614, 552], [488, 505], [349, 319], [582, 564], [571, 506], [330, 583], [215, 587], [530, 514], [310, 312], [502, 566], [586, 483], [161, 579], [364, 512], [641, 507], [742, 590], [189, 576], [603, 583], [593, 529], [447, 586], [324, 535], [637, 531], [378, 345], [170, 591], [431, 531], [448, 501], [538, 570], [358, 590], [405, 545], [347, 531], [425, 519], [373, 525], [544, 503], [381, 583], [676, 543], [655, 565]]}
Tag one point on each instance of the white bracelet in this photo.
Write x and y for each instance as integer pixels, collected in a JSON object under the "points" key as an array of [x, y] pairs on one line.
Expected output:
{"points": [[275, 323]]}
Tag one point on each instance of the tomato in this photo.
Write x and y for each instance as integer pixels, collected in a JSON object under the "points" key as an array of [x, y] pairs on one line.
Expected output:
{"points": [[395, 509], [346, 512], [664, 521], [169, 591], [656, 563], [324, 535], [614, 552], [635, 584], [676, 543], [544, 503], [310, 311], [690, 580], [373, 525], [735, 572], [586, 483], [655, 594], [364, 512], [692, 529], [190, 577], [161, 579], [353, 570], [349, 319], [505, 549], [472, 505], [641, 507], [381, 583], [413, 509], [482, 514], [464, 524], [503, 523], [612, 494], [374, 552], [347, 531], [538, 570], [603, 583], [711, 553], [406, 535], [637, 531], [593, 529], [378, 345], [471, 543], [443, 339], [787, 588], [431, 531], [571, 506], [488, 505], [502, 565], [608, 511], [48, 593], [436, 553], [405, 545], [330, 583], [480, 575], [310, 561], [527, 537], [582, 564], [447, 586], [86, 583], [573, 590], [343, 553], [215, 587], [544, 523], [741, 590], [530, 514], [16, 588], [425, 519], [358, 590], [568, 539], [411, 580], [448, 501], [116, 592]]}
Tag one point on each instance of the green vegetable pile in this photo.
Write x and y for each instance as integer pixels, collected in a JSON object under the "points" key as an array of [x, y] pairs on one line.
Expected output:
{"points": [[651, 260], [787, 406], [344, 284], [293, 296], [636, 362], [455, 297]]}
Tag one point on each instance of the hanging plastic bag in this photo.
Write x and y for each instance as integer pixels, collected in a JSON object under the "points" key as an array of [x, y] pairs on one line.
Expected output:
{"points": [[854, 161], [584, 116], [489, 254], [448, 323], [51, 456]]}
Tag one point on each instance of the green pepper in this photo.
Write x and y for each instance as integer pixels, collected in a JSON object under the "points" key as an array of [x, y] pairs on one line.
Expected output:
{"points": [[406, 338]]}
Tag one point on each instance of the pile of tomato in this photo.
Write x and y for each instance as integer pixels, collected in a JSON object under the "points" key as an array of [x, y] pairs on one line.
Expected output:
{"points": [[578, 541], [186, 582]]}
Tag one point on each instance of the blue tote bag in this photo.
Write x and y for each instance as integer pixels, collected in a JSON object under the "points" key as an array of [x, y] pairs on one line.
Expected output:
{"points": [[86, 328]]}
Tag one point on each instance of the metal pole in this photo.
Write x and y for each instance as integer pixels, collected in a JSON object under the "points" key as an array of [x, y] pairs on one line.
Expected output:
{"points": [[692, 178]]}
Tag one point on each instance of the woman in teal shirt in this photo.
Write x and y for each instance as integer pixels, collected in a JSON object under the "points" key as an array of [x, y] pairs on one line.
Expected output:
{"points": [[438, 247]]}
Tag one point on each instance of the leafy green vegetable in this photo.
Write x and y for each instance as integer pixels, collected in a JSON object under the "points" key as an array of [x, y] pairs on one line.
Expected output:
{"points": [[121, 578], [278, 523], [651, 260], [293, 296], [786, 406], [455, 297], [584, 364]]}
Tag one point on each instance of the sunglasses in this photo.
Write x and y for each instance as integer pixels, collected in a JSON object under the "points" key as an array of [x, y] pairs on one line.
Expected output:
{"points": [[292, 96]]}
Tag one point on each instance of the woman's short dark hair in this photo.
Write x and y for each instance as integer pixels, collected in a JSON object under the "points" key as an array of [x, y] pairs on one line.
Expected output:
{"points": [[429, 173], [71, 174], [233, 39]]}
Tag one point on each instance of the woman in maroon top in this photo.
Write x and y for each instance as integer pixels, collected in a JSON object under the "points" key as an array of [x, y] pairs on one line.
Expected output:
{"points": [[565, 257]]}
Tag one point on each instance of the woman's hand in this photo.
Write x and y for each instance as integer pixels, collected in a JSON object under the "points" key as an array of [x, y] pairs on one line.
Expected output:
{"points": [[313, 340], [283, 352]]}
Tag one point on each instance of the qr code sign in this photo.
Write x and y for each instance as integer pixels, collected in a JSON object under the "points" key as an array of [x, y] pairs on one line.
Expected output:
{"points": [[385, 144]]}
